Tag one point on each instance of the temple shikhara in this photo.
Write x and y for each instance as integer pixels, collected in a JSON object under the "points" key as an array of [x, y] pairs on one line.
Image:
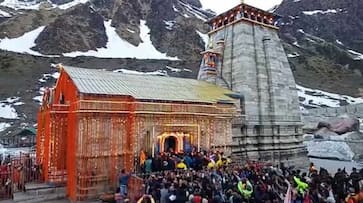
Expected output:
{"points": [[94, 123]]}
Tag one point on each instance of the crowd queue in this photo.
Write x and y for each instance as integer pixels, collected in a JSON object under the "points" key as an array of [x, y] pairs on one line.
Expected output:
{"points": [[211, 177]]}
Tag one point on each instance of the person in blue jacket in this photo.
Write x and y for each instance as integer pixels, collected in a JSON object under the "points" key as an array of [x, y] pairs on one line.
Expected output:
{"points": [[123, 180]]}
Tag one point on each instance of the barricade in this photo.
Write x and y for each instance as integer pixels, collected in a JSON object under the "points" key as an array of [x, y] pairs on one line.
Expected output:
{"points": [[136, 188], [14, 175], [6, 186]]}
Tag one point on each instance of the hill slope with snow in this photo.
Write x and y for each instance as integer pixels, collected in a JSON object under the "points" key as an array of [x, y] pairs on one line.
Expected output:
{"points": [[323, 39]]}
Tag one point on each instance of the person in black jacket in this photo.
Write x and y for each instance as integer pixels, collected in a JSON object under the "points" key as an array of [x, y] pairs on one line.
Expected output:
{"points": [[355, 177]]}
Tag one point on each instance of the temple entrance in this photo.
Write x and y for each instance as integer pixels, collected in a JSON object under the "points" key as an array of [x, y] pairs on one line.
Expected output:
{"points": [[174, 141], [170, 144]]}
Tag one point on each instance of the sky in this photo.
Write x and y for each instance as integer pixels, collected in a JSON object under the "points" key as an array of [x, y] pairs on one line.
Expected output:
{"points": [[221, 6]]}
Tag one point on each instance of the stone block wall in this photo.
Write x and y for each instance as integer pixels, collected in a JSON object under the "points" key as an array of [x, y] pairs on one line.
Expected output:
{"points": [[255, 65]]}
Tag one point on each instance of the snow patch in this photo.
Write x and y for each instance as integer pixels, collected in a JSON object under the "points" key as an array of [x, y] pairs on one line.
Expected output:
{"points": [[11, 99], [321, 11], [24, 43], [177, 70], [296, 44], [301, 31], [357, 55], [317, 98], [17, 4], [134, 72], [339, 42], [56, 75], [293, 55], [194, 11], [35, 4], [7, 111], [71, 4], [129, 30], [3, 126], [38, 99], [18, 103], [175, 9], [204, 37], [169, 24], [45, 77], [118, 48], [4, 14]]}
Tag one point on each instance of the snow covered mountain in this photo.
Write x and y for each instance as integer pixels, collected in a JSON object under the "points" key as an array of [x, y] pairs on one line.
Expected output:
{"points": [[106, 29]]}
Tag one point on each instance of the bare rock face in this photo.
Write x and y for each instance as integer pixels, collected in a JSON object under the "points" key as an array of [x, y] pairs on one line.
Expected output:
{"points": [[174, 25], [324, 133], [80, 29], [25, 22], [322, 32], [344, 125], [195, 3], [126, 20], [59, 2]]}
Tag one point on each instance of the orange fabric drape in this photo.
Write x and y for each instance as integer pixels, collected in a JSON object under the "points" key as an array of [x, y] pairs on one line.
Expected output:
{"points": [[142, 157]]}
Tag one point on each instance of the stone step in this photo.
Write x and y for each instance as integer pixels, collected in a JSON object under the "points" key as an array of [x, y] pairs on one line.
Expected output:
{"points": [[44, 191], [25, 198], [40, 193]]}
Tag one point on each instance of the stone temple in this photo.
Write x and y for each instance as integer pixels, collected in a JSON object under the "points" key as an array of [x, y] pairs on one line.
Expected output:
{"points": [[245, 55]]}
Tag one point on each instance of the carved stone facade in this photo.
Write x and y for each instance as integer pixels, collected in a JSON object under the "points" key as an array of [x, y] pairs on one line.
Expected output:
{"points": [[250, 60]]}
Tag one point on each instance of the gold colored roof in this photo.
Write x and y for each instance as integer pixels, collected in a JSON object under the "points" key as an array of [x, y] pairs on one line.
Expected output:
{"points": [[146, 87]]}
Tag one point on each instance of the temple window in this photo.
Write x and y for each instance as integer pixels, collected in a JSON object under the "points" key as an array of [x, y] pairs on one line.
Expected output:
{"points": [[62, 99], [220, 23], [253, 17], [278, 129], [266, 21], [225, 21], [239, 15], [244, 130], [231, 18], [257, 130], [259, 19]]}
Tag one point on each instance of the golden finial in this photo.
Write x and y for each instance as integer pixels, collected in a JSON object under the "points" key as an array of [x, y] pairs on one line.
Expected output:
{"points": [[242, 1]]}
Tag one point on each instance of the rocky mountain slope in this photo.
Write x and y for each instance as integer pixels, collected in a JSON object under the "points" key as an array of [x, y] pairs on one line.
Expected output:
{"points": [[324, 41], [163, 37]]}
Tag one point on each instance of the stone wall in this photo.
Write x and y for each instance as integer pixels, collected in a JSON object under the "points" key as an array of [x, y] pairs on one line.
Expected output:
{"points": [[255, 65]]}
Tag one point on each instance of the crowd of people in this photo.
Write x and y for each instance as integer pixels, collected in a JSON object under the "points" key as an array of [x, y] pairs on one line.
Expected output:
{"points": [[210, 177]]}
